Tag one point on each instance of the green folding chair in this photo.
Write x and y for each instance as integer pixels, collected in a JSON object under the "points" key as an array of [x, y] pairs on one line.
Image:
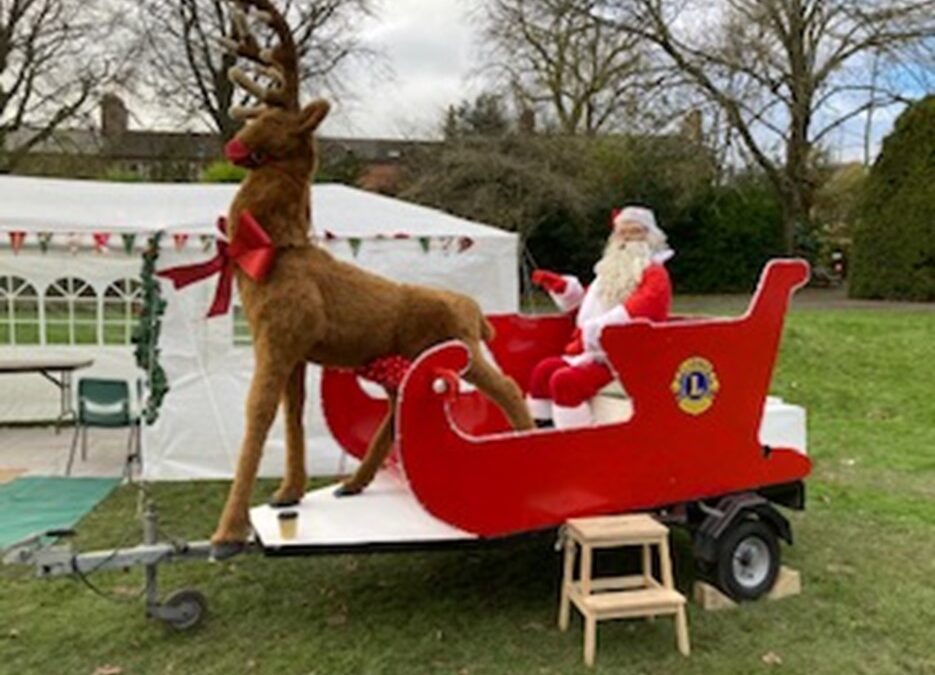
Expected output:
{"points": [[105, 404]]}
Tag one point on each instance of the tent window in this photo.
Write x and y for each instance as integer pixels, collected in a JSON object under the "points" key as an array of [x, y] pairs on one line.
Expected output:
{"points": [[71, 313], [19, 312], [242, 337], [123, 303]]}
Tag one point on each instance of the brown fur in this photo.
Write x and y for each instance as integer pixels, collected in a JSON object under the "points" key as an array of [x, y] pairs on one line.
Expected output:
{"points": [[313, 308]]}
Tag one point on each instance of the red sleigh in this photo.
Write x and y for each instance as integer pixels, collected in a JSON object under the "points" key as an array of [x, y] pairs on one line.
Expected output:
{"points": [[698, 388]]}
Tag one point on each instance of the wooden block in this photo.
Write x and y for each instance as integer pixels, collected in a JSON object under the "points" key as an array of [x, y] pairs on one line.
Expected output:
{"points": [[788, 583], [710, 598]]}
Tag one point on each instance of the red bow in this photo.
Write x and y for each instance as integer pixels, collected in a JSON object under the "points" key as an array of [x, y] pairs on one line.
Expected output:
{"points": [[251, 249]]}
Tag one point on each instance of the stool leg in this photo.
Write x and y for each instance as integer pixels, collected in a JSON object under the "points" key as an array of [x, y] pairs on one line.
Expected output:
{"points": [[590, 638], [567, 578], [585, 572], [665, 563], [681, 631], [647, 566], [648, 573]]}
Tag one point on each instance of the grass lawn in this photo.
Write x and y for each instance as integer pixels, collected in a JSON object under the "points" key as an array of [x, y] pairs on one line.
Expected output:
{"points": [[865, 546]]}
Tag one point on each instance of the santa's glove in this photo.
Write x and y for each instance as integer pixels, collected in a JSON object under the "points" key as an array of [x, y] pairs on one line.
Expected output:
{"points": [[550, 281]]}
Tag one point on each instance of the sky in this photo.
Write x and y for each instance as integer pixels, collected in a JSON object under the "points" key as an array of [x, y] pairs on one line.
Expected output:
{"points": [[429, 47], [429, 54]]}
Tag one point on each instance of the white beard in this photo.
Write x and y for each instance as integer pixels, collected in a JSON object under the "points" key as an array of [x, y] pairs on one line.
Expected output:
{"points": [[620, 269]]}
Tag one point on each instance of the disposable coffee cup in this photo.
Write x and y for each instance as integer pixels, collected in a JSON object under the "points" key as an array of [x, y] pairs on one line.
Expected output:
{"points": [[288, 524]]}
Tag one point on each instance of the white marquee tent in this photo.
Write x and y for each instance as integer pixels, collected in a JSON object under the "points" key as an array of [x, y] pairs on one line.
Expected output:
{"points": [[70, 255]]}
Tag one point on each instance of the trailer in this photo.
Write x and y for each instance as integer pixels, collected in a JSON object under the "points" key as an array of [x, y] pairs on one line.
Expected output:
{"points": [[697, 441]]}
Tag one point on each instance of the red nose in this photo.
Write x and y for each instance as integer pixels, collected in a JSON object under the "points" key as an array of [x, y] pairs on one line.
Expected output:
{"points": [[237, 152]]}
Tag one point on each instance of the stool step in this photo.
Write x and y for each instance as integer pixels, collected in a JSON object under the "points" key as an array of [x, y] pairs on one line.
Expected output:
{"points": [[621, 530], [647, 600]]}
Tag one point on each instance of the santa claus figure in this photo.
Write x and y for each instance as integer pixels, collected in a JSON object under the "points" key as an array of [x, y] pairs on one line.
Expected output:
{"points": [[631, 282]]}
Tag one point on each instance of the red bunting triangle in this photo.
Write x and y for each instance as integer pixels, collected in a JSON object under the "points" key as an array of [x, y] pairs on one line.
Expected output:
{"points": [[100, 241], [16, 240]]}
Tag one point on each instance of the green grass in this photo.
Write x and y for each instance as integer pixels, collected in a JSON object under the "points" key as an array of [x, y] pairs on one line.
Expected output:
{"points": [[865, 547]]}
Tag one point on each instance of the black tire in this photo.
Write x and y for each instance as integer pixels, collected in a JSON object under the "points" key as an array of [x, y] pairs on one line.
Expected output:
{"points": [[190, 605], [748, 560]]}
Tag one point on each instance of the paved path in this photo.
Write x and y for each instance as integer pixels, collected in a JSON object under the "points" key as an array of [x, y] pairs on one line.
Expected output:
{"points": [[38, 451], [806, 299]]}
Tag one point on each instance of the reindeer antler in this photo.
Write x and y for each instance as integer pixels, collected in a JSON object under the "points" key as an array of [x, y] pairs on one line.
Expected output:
{"points": [[280, 64]]}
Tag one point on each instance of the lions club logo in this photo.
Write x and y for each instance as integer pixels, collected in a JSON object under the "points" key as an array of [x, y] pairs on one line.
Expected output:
{"points": [[695, 385]]}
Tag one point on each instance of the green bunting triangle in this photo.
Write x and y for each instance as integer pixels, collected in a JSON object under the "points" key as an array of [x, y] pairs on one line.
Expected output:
{"points": [[355, 243], [425, 242], [45, 239], [128, 241]]}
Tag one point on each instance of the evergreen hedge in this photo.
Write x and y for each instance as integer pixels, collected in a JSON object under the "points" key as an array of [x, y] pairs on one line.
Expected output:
{"points": [[893, 255]]}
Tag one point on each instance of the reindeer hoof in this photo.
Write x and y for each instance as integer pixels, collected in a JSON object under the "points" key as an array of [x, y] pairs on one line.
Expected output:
{"points": [[283, 503], [344, 490], [226, 550]]}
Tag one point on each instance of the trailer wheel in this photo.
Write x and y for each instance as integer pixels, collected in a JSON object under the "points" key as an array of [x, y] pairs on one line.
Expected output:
{"points": [[184, 609], [747, 560]]}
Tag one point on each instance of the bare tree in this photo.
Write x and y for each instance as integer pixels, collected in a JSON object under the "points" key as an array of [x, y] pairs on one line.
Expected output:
{"points": [[784, 73], [188, 71], [557, 58], [51, 65]]}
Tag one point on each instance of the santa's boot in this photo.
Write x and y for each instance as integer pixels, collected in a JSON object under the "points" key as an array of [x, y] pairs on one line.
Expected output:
{"points": [[541, 411], [570, 417]]}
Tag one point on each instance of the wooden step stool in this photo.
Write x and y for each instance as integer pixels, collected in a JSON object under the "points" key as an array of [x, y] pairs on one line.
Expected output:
{"points": [[623, 597]]}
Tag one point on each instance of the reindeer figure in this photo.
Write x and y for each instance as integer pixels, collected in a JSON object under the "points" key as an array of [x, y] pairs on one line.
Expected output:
{"points": [[305, 306]]}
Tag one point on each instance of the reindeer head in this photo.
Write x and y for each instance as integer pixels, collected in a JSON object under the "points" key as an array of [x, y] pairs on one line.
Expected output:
{"points": [[278, 129]]}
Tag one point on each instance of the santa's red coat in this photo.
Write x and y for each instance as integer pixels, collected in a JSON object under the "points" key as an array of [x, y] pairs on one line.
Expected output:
{"points": [[578, 377]]}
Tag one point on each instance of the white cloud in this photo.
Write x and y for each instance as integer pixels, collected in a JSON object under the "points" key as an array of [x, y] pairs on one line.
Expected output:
{"points": [[428, 45]]}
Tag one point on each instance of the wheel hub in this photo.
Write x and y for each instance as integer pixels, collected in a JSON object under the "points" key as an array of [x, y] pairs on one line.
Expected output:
{"points": [[751, 562]]}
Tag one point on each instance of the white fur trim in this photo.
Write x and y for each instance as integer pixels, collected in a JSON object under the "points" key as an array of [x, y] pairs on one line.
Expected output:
{"points": [[539, 408], [591, 306], [615, 317], [641, 215], [580, 359], [571, 297], [571, 417]]}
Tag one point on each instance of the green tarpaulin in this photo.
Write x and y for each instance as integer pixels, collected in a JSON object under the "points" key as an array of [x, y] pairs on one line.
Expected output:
{"points": [[35, 504]]}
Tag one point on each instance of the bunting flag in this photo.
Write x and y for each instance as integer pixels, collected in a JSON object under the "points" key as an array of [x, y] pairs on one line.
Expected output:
{"points": [[100, 241], [464, 243], [45, 240], [206, 241], [355, 243], [329, 235], [401, 235], [16, 241], [446, 244], [179, 238], [129, 240], [425, 243], [74, 243]]}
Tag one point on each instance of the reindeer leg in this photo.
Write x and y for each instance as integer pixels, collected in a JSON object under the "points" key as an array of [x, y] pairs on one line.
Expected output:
{"points": [[292, 488], [379, 448], [502, 389], [269, 380]]}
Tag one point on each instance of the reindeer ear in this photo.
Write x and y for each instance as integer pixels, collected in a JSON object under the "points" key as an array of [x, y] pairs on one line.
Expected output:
{"points": [[312, 115]]}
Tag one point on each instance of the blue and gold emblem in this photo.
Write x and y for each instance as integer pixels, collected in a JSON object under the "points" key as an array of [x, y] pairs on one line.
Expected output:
{"points": [[695, 385]]}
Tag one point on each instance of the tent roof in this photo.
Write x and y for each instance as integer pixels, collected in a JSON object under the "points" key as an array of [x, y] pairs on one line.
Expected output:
{"points": [[61, 205]]}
